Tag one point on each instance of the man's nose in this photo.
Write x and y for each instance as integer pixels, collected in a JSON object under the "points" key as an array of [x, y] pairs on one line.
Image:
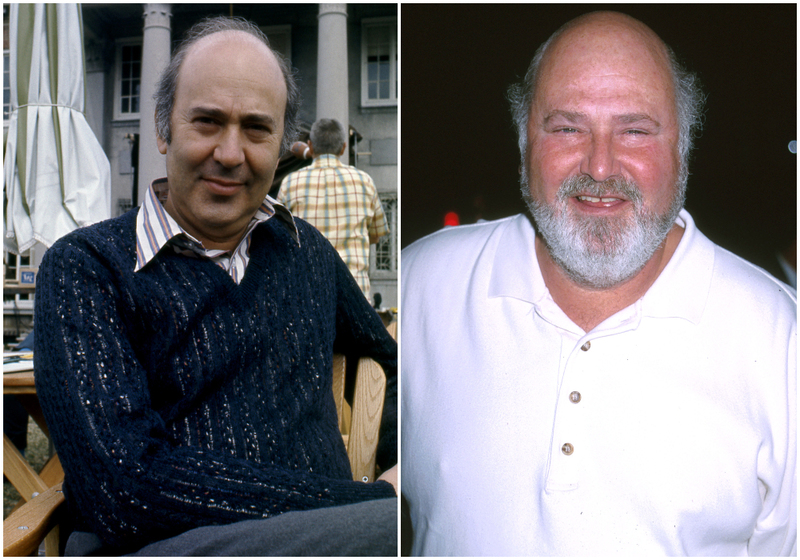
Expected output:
{"points": [[230, 148], [600, 161]]}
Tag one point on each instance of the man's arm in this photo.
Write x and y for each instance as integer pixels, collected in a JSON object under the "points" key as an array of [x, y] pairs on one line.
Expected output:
{"points": [[775, 533], [378, 225], [391, 477], [301, 150]]}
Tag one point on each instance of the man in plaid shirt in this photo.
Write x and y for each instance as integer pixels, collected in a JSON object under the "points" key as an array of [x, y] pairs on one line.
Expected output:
{"points": [[339, 200]]}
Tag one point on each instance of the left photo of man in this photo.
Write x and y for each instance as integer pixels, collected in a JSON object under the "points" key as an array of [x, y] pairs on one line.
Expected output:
{"points": [[200, 279]]}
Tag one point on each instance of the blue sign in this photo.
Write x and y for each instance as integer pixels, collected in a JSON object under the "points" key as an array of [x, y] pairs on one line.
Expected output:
{"points": [[27, 277]]}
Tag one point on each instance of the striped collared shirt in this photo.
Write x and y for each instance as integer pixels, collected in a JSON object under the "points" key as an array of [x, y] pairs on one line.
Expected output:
{"points": [[342, 203], [156, 229]]}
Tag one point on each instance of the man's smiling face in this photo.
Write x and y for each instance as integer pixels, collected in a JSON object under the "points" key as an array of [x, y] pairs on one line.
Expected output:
{"points": [[227, 127], [603, 142]]}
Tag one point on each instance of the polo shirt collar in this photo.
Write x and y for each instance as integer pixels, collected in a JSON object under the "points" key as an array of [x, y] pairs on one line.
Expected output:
{"points": [[517, 275], [682, 288], [680, 291]]}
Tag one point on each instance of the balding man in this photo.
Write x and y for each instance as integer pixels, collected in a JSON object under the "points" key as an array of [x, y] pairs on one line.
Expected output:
{"points": [[601, 379], [184, 351]]}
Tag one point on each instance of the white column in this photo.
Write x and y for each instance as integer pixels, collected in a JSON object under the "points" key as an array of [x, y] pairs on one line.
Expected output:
{"points": [[332, 93], [155, 57]]}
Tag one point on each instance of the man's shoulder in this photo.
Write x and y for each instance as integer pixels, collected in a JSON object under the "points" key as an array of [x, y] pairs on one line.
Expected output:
{"points": [[735, 275], [704, 278], [292, 176], [108, 245], [737, 292], [354, 172], [450, 246], [334, 163], [300, 176], [454, 236], [311, 239], [115, 234]]}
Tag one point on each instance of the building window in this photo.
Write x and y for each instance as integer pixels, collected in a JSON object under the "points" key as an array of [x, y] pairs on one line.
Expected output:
{"points": [[18, 299], [6, 88], [379, 83], [129, 80], [386, 249], [16, 269]]}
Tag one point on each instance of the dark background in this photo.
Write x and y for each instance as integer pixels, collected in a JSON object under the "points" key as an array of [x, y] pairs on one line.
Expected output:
{"points": [[459, 150]]}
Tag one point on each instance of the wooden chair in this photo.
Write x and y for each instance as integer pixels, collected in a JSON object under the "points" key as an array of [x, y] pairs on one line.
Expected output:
{"points": [[361, 424], [37, 519]]}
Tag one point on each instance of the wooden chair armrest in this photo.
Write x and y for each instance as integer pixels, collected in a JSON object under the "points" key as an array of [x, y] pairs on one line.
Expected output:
{"points": [[24, 529], [367, 411], [339, 370]]}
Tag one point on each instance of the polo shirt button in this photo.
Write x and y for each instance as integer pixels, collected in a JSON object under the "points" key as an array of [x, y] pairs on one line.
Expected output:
{"points": [[575, 397], [567, 449], [586, 346]]}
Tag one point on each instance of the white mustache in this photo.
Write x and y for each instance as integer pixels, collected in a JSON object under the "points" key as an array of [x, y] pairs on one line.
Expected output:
{"points": [[583, 185]]}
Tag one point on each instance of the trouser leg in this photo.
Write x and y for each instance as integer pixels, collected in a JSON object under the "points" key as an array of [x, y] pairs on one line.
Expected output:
{"points": [[363, 529]]}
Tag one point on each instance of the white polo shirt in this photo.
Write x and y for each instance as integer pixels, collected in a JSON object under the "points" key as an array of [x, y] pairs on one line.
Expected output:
{"points": [[668, 429]]}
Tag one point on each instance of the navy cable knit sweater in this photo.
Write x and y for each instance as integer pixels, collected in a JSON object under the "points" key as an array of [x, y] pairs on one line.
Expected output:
{"points": [[177, 398]]}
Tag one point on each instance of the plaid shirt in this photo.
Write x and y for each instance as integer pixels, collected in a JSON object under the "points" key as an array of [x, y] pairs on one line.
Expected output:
{"points": [[155, 229], [341, 202]]}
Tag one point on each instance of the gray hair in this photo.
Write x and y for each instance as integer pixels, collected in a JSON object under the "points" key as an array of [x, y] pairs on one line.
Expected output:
{"points": [[165, 91], [327, 137], [689, 101]]}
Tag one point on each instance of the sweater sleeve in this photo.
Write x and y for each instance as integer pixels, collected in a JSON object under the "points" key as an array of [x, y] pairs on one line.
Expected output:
{"points": [[125, 479], [360, 331]]}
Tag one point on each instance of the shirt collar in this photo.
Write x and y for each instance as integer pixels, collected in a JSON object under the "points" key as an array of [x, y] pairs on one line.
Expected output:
{"points": [[155, 228], [326, 160], [681, 290]]}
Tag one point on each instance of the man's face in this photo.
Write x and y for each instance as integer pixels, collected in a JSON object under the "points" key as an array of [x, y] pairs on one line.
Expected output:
{"points": [[603, 162], [227, 126]]}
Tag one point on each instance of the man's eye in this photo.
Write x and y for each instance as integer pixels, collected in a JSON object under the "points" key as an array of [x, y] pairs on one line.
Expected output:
{"points": [[635, 131], [566, 130]]}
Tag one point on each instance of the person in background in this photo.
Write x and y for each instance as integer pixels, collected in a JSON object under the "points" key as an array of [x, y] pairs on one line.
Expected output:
{"points": [[339, 200]]}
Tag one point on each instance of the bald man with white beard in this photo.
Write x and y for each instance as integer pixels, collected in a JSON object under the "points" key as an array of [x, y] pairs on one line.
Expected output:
{"points": [[599, 378]]}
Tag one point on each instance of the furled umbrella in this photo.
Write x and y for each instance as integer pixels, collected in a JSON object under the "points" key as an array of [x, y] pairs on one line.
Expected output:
{"points": [[56, 175]]}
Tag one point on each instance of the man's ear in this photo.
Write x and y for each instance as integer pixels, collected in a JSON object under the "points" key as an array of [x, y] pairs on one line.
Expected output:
{"points": [[162, 144], [344, 146]]}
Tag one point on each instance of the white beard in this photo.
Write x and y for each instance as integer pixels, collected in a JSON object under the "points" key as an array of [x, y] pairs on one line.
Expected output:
{"points": [[599, 253]]}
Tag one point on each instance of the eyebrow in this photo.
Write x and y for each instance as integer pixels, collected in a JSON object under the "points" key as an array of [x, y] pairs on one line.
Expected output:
{"points": [[632, 118], [576, 117], [569, 116], [259, 118]]}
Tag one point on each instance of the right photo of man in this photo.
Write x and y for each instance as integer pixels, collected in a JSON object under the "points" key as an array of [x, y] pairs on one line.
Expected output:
{"points": [[601, 358]]}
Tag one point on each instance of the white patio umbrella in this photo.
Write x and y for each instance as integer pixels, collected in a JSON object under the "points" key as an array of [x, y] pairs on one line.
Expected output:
{"points": [[56, 175]]}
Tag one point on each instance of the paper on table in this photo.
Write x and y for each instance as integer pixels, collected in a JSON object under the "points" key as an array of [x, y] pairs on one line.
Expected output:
{"points": [[14, 362]]}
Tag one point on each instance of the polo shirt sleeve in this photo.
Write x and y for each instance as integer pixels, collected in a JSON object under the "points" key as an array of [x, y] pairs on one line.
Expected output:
{"points": [[775, 533]]}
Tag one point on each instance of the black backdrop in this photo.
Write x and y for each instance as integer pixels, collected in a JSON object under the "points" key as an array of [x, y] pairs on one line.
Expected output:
{"points": [[459, 150]]}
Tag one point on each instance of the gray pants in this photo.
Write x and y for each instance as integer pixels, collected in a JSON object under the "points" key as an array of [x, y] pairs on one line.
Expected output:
{"points": [[363, 529]]}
